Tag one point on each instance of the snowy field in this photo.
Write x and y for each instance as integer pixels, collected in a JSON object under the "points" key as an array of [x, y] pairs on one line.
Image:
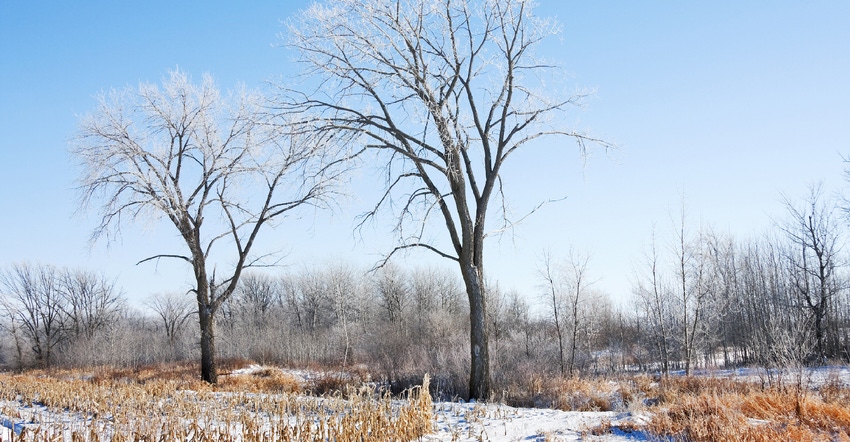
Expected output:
{"points": [[454, 421]]}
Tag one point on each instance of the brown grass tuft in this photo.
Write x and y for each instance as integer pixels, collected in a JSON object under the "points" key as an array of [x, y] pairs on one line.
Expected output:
{"points": [[265, 380], [710, 409]]}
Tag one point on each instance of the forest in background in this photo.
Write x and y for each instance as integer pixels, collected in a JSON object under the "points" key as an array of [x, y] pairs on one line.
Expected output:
{"points": [[701, 300]]}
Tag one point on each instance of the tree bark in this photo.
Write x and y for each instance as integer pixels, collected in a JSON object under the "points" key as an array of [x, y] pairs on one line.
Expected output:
{"points": [[206, 313], [479, 373], [209, 372]]}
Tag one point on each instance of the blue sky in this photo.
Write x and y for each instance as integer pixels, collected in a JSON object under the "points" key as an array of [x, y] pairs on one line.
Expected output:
{"points": [[727, 103]]}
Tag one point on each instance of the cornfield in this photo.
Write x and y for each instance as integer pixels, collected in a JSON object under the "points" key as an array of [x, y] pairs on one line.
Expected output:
{"points": [[48, 408]]}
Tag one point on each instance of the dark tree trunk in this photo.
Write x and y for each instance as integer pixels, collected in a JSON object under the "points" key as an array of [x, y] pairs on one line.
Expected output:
{"points": [[209, 372], [206, 317], [479, 373], [819, 334]]}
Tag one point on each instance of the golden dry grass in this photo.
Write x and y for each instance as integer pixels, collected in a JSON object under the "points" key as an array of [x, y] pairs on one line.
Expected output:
{"points": [[710, 409], [139, 406], [705, 408], [270, 404], [575, 393]]}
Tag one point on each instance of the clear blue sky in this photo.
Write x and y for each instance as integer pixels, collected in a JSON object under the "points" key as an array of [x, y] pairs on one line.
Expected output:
{"points": [[728, 103]]}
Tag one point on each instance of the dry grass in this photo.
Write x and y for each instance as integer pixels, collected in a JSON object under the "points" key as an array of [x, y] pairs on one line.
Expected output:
{"points": [[269, 404], [703, 408], [575, 394], [593, 394], [266, 380], [139, 406], [710, 409]]}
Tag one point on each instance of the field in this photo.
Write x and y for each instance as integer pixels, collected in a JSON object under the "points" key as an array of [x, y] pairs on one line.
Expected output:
{"points": [[255, 403]]}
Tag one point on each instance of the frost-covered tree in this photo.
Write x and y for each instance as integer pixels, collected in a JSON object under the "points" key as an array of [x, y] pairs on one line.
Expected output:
{"points": [[217, 167], [444, 92]]}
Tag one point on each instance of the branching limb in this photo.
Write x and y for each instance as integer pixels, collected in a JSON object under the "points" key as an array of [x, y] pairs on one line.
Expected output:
{"points": [[157, 257], [426, 246]]}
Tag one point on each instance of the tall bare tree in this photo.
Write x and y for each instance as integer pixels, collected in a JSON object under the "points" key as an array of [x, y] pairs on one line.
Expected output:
{"points": [[691, 272], [445, 89], [34, 303], [554, 298], [91, 302], [812, 232], [654, 297], [216, 167], [578, 284]]}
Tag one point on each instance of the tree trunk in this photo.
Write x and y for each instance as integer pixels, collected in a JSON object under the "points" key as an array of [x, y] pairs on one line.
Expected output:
{"points": [[479, 373], [560, 335], [209, 372], [574, 344]]}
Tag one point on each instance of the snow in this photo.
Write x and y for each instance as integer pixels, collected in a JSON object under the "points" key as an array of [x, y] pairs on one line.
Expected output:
{"points": [[492, 422], [477, 421], [454, 421]]}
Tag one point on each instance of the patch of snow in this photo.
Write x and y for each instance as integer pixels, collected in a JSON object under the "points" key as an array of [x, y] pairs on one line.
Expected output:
{"points": [[249, 370], [467, 422]]}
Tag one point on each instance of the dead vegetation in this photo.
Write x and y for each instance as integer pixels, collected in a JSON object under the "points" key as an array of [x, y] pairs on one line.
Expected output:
{"points": [[709, 409], [119, 406], [169, 402], [702, 408], [705, 408]]}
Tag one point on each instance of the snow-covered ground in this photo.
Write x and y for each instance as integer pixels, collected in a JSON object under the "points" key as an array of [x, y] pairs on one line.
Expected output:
{"points": [[460, 422], [498, 423], [457, 422]]}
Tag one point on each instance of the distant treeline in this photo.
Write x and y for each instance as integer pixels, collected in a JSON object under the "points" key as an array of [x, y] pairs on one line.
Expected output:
{"points": [[700, 299]]}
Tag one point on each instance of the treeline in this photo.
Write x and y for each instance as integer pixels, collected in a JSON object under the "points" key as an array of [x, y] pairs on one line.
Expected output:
{"points": [[398, 323], [774, 301], [701, 299]]}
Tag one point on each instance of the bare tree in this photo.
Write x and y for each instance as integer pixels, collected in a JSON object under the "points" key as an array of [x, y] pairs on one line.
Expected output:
{"points": [[218, 168], [445, 90], [554, 299], [12, 325], [91, 302], [654, 298], [724, 311], [291, 300], [566, 289], [578, 285], [255, 296], [392, 292], [812, 232], [313, 298], [691, 275], [173, 310], [34, 302]]}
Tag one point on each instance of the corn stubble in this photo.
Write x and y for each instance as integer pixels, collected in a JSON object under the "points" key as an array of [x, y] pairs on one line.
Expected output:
{"points": [[118, 410]]}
